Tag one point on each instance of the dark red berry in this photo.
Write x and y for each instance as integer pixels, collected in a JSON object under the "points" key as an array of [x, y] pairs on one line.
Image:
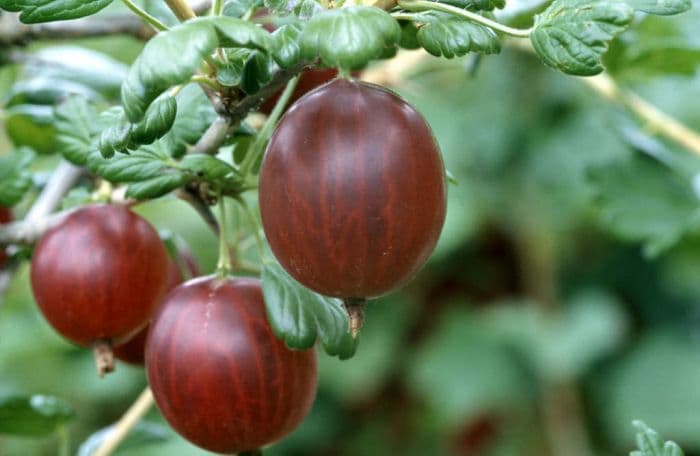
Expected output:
{"points": [[308, 80], [133, 351], [5, 216], [352, 190], [99, 274], [218, 373]]}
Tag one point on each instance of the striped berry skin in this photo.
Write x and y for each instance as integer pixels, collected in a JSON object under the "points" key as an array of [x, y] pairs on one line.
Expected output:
{"points": [[99, 274], [352, 190], [309, 79], [218, 373], [5, 216], [133, 351]]}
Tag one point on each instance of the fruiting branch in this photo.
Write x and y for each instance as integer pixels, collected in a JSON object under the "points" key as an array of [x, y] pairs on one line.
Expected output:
{"points": [[126, 423]]}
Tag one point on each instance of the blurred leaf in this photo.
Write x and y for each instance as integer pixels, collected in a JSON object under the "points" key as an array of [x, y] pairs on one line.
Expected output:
{"points": [[43, 90], [451, 37], [144, 433], [206, 166], [194, 115], [33, 416], [237, 8], [476, 5], [651, 444], [35, 11], [554, 344], [572, 35], [256, 72], [31, 126], [462, 370], [15, 177], [661, 7], [655, 382], [300, 317], [75, 127], [643, 201], [657, 46], [349, 37]]}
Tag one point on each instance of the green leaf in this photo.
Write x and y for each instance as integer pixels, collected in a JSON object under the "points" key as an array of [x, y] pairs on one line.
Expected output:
{"points": [[206, 167], [194, 115], [117, 136], [173, 56], [451, 37], [650, 443], [643, 201], [75, 128], [230, 73], [31, 126], [286, 47], [141, 165], [349, 37], [572, 35], [476, 5], [158, 120], [238, 8], [256, 72], [35, 11], [42, 90], [15, 177], [661, 7], [143, 433], [299, 316], [157, 186], [33, 416]]}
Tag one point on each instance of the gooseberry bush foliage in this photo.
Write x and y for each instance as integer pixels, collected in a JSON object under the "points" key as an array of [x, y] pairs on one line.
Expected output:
{"points": [[183, 120]]}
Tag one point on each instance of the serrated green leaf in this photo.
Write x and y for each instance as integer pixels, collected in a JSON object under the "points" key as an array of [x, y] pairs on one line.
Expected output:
{"points": [[299, 317], [286, 48], [349, 37], [661, 7], [158, 120], [157, 186], [173, 56], [33, 416], [643, 201], [138, 166], [116, 137], [452, 37], [206, 166], [572, 35], [15, 178], [75, 128], [35, 11], [231, 73], [651, 444]]}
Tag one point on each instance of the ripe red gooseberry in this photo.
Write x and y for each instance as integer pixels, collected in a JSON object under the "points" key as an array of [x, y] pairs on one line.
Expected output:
{"points": [[133, 351], [352, 190], [218, 373], [99, 274], [5, 216]]}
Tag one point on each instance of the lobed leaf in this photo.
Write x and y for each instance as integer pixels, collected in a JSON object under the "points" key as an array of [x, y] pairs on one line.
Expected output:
{"points": [[452, 37], [572, 35], [349, 37], [15, 177], [651, 444], [299, 316]]}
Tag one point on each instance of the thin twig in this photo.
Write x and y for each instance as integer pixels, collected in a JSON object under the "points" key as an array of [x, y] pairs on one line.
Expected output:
{"points": [[126, 423], [181, 9]]}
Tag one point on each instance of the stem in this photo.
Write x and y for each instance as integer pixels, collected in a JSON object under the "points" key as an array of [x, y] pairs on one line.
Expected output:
{"points": [[126, 423], [356, 314], [657, 120], [203, 79], [223, 267], [63, 441], [257, 148], [181, 8], [218, 8], [104, 357], [158, 25], [423, 5], [254, 225]]}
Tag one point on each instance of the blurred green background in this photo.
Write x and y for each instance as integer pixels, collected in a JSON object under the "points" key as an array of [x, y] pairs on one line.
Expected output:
{"points": [[562, 302]]}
